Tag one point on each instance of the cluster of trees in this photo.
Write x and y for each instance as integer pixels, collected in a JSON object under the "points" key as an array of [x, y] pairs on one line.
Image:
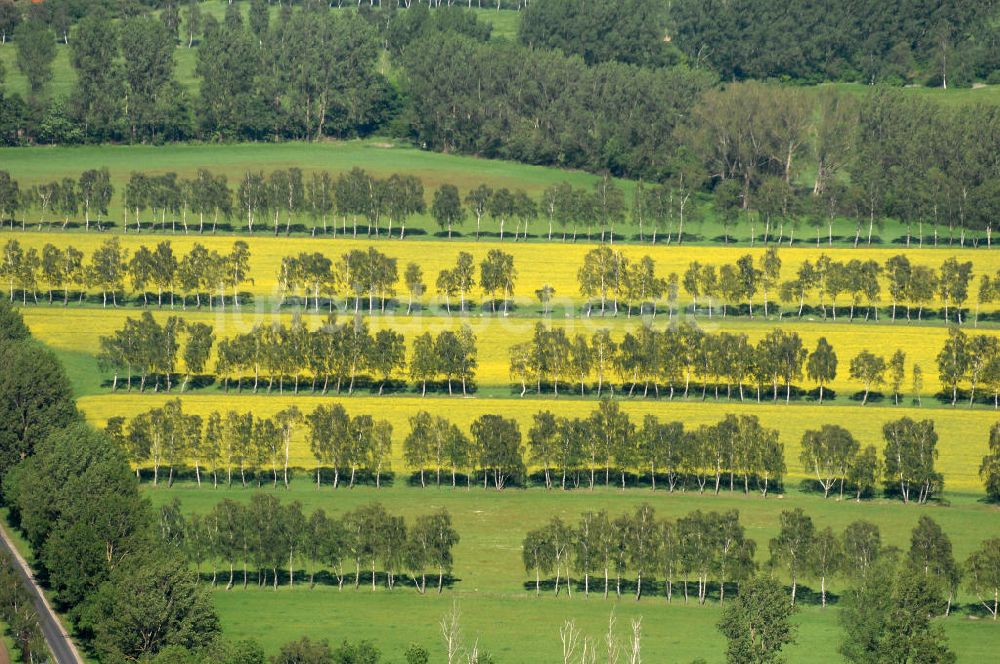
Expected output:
{"points": [[833, 456], [630, 31], [74, 497], [280, 197], [908, 285], [90, 194], [310, 75], [633, 550], [355, 194], [268, 536], [224, 444], [111, 270], [989, 469], [746, 143], [608, 275], [892, 610], [736, 450], [576, 450], [895, 42], [336, 353], [290, 199], [17, 610], [152, 350], [676, 356], [752, 141], [343, 352], [563, 451], [497, 276], [504, 100], [702, 546], [970, 360], [358, 446], [358, 273]]}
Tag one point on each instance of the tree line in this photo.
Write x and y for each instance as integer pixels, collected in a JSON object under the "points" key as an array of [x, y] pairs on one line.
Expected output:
{"points": [[71, 493], [267, 536], [251, 447], [896, 43], [240, 62], [631, 551], [340, 354], [90, 194], [335, 353], [608, 277], [678, 355], [737, 452], [871, 42], [201, 272], [753, 141], [631, 31], [288, 198], [312, 73]]}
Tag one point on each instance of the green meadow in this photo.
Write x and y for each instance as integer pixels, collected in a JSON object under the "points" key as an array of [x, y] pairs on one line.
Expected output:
{"points": [[496, 597]]}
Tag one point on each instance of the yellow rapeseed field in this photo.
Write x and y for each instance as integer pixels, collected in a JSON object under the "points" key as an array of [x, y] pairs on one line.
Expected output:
{"points": [[79, 329], [537, 264], [963, 434]]}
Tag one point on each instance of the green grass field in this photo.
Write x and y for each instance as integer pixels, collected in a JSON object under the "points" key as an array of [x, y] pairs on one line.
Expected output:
{"points": [[383, 157], [500, 609]]}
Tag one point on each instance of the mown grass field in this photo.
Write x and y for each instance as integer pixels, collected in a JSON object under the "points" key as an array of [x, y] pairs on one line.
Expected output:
{"points": [[379, 157], [494, 594], [496, 336], [537, 264]]}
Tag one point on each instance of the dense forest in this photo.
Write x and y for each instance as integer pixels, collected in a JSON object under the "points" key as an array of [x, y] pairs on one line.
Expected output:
{"points": [[633, 68], [929, 42], [677, 111], [899, 41]]}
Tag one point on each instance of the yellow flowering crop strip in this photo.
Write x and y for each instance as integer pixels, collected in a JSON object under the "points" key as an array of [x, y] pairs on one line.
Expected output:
{"points": [[79, 330], [538, 263], [963, 434]]}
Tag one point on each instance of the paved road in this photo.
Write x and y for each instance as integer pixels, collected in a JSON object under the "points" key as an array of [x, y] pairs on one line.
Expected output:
{"points": [[55, 635]]}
